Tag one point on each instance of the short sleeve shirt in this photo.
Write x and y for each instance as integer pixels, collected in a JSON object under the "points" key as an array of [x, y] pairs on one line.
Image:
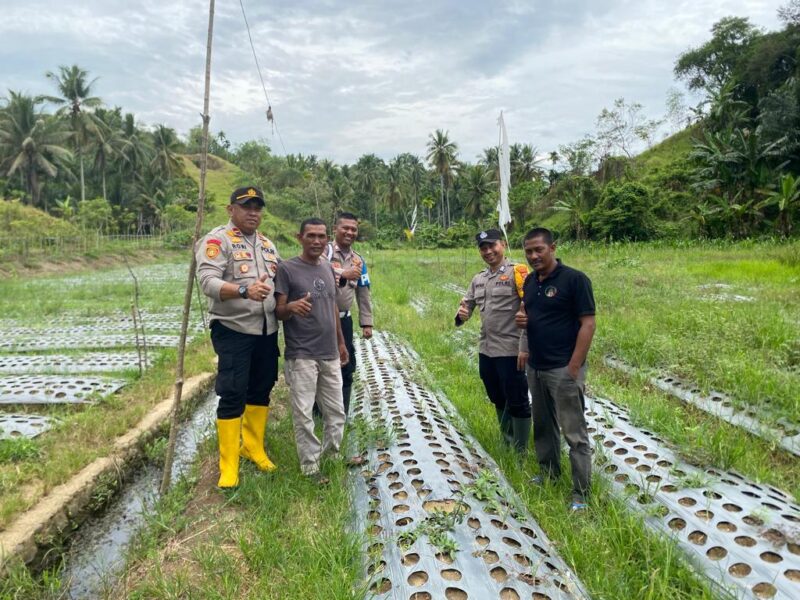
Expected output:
{"points": [[312, 336], [553, 307]]}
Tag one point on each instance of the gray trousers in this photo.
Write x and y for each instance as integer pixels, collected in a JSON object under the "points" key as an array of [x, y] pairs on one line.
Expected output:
{"points": [[558, 404], [319, 380]]}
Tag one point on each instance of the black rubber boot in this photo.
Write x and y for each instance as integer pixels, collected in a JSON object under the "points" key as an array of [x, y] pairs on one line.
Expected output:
{"points": [[506, 427], [346, 391], [522, 434]]}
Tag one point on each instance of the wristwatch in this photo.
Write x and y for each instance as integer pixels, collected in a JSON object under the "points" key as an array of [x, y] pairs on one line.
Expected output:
{"points": [[243, 291]]}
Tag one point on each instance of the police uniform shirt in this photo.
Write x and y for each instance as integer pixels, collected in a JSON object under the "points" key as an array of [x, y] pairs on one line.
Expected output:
{"points": [[554, 306], [496, 296], [226, 255], [351, 291]]}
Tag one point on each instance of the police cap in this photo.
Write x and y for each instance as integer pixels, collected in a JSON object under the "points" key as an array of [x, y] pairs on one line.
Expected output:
{"points": [[488, 236], [250, 193]]}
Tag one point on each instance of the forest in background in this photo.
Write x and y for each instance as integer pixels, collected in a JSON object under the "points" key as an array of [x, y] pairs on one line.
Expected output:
{"points": [[730, 169]]}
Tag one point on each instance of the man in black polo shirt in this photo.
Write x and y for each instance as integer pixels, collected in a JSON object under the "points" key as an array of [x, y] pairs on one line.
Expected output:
{"points": [[559, 317]]}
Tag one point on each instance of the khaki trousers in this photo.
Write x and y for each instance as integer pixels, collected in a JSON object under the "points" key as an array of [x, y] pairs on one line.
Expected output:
{"points": [[312, 380]]}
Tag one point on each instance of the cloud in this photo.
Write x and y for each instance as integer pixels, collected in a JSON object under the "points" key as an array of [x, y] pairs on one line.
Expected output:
{"points": [[349, 78]]}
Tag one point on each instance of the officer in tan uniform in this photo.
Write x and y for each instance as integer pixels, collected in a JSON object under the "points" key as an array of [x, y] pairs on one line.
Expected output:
{"points": [[353, 284], [503, 352], [236, 266]]}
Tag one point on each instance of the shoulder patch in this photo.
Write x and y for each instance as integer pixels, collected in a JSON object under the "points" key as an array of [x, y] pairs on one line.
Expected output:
{"points": [[212, 251], [214, 241]]}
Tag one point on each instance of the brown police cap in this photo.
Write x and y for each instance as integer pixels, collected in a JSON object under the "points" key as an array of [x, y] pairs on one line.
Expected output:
{"points": [[250, 193]]}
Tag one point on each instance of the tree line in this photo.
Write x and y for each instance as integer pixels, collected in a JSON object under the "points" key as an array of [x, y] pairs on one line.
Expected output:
{"points": [[729, 170]]}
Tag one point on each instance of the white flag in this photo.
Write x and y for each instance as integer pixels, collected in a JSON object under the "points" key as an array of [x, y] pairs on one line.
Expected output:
{"points": [[504, 162], [414, 220]]}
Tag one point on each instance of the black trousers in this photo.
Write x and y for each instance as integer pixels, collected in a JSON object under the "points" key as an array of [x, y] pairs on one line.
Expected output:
{"points": [[506, 386], [350, 368], [247, 371]]}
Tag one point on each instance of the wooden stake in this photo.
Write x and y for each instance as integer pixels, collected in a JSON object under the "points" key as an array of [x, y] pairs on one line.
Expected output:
{"points": [[187, 297]]}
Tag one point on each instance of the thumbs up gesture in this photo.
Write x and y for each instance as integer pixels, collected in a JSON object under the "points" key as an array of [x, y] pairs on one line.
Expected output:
{"points": [[301, 307], [259, 290], [463, 311], [521, 317]]}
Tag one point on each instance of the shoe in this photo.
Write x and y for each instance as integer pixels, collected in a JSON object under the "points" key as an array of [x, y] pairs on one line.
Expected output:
{"points": [[578, 507], [254, 422], [229, 433], [356, 461], [318, 478]]}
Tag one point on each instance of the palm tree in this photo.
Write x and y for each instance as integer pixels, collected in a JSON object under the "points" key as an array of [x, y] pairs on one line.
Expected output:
{"points": [[477, 183], [368, 175], [106, 145], [393, 185], [491, 160], [75, 98], [340, 193], [166, 146], [31, 143], [524, 164], [442, 155]]}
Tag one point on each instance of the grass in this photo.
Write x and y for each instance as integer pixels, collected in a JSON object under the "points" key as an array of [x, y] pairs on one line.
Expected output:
{"points": [[280, 536], [32, 468], [651, 312]]}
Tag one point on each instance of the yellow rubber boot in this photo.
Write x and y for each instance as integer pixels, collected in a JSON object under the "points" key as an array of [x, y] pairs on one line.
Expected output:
{"points": [[229, 432], [254, 422]]}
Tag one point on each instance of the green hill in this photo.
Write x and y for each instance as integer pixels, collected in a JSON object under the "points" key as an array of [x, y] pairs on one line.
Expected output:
{"points": [[20, 221], [222, 178], [673, 149]]}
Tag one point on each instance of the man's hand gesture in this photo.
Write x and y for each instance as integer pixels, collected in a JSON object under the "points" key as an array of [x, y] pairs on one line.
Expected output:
{"points": [[301, 307], [521, 317], [259, 290]]}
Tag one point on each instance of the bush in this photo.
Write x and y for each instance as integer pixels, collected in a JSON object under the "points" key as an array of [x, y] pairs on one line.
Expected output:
{"points": [[625, 212], [179, 240]]}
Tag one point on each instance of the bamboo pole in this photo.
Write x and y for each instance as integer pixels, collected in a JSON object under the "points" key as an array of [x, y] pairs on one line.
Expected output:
{"points": [[166, 476]]}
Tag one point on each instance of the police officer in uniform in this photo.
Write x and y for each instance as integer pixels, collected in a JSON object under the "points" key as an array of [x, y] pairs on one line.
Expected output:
{"points": [[236, 266], [353, 284], [503, 352]]}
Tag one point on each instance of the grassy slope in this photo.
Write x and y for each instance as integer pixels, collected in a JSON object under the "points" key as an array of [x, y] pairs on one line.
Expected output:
{"points": [[19, 220], [222, 178], [675, 148]]}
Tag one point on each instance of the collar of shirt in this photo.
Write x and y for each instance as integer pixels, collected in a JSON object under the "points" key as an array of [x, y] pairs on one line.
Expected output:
{"points": [[500, 270], [552, 274]]}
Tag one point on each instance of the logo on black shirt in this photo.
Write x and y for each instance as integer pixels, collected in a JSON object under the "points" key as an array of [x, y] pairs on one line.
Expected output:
{"points": [[551, 291]]}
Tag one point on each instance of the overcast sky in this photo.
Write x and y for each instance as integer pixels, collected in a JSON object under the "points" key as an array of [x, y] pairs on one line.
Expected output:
{"points": [[346, 78]]}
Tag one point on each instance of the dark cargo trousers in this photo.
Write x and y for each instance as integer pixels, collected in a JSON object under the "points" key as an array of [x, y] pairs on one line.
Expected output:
{"points": [[558, 403], [247, 370]]}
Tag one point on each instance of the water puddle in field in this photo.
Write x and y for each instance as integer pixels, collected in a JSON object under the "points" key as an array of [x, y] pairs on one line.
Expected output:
{"points": [[96, 553]]}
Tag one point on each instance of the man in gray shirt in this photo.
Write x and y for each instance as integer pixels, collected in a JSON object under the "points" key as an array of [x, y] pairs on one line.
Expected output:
{"points": [[305, 294]]}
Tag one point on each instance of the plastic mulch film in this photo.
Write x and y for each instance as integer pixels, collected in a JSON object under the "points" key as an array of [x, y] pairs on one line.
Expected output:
{"points": [[55, 389], [786, 434], [441, 521], [94, 362], [18, 426], [63, 342], [742, 535]]}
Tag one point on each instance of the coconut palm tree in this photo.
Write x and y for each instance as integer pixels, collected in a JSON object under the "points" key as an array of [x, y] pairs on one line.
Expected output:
{"points": [[369, 169], [31, 143], [442, 156], [524, 164], [393, 185], [478, 184], [75, 103], [166, 147], [107, 144]]}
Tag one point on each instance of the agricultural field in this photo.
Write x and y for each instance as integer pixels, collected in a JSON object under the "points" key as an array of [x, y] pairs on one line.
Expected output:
{"points": [[673, 478]]}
